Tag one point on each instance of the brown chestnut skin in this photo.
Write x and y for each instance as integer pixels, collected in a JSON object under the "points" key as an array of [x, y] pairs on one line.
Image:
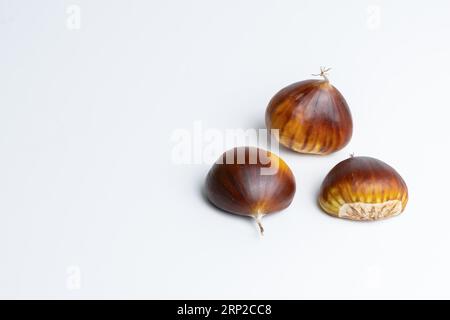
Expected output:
{"points": [[312, 117], [363, 188], [239, 184]]}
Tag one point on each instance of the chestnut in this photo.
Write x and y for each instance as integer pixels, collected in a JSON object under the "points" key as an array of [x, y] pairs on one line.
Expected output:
{"points": [[363, 188], [312, 116], [252, 182]]}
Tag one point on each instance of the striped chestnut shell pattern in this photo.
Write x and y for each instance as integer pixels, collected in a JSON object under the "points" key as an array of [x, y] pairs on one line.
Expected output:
{"points": [[312, 116], [363, 188], [237, 183]]}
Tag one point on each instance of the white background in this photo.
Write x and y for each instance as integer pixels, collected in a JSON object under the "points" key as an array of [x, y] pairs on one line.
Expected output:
{"points": [[92, 205]]}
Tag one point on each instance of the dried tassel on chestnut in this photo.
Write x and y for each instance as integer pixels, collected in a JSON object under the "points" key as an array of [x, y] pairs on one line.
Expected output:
{"points": [[363, 188], [252, 182], [312, 116]]}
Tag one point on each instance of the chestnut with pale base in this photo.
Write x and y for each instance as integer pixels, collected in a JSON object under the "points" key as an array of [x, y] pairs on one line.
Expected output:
{"points": [[237, 183], [364, 189]]}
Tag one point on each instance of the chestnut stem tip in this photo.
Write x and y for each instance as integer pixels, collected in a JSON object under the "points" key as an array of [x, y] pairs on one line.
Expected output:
{"points": [[323, 73], [259, 223]]}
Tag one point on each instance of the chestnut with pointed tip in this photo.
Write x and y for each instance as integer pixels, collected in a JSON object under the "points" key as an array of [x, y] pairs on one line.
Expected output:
{"points": [[250, 181], [363, 188], [312, 116]]}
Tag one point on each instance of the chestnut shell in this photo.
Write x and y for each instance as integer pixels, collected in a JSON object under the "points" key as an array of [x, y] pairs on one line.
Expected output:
{"points": [[243, 189], [363, 188], [312, 116]]}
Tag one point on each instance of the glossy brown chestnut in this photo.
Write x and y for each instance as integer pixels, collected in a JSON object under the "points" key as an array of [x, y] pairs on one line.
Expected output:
{"points": [[363, 188], [312, 116], [250, 181]]}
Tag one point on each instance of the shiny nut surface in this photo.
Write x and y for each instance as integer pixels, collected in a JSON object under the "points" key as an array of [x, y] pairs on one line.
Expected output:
{"points": [[245, 189], [363, 188], [312, 116]]}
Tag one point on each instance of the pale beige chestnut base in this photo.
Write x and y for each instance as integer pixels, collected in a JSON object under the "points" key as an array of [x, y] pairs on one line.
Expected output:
{"points": [[370, 211]]}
